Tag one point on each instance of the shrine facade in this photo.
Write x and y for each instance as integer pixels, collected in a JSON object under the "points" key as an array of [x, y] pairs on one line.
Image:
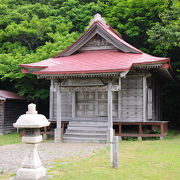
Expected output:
{"points": [[101, 80]]}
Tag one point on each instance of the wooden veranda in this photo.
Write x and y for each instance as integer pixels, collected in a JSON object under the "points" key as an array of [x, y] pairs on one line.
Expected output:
{"points": [[161, 129]]}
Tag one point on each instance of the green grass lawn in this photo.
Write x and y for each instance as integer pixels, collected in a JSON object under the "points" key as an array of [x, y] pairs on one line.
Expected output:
{"points": [[139, 160], [154, 160], [12, 138]]}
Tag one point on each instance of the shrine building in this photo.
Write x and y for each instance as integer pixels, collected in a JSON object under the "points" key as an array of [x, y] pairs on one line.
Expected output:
{"points": [[100, 82]]}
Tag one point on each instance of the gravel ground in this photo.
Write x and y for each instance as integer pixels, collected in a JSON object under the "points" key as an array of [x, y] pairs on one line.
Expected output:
{"points": [[11, 156]]}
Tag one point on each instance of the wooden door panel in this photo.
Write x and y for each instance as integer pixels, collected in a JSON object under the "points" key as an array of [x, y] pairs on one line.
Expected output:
{"points": [[80, 109], [90, 110], [85, 104]]}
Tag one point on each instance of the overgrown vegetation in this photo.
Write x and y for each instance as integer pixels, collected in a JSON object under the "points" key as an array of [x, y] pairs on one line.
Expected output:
{"points": [[32, 30]]}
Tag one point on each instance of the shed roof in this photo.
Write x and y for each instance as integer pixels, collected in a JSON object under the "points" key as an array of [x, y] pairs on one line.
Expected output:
{"points": [[74, 61], [10, 95]]}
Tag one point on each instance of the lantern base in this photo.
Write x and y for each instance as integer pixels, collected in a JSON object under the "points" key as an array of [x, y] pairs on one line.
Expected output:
{"points": [[31, 174]]}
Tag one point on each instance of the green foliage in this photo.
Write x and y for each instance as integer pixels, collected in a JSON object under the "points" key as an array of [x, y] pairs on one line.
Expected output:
{"points": [[165, 36], [132, 18], [32, 30]]}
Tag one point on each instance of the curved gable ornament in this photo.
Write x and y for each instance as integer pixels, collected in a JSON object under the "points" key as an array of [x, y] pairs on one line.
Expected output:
{"points": [[97, 18]]}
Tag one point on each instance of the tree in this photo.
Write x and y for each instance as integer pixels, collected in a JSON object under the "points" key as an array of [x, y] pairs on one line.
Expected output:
{"points": [[32, 30], [133, 18], [165, 36]]}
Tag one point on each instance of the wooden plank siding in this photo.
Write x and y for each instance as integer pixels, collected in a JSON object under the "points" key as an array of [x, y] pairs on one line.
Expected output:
{"points": [[66, 100], [132, 99], [1, 116], [12, 110], [127, 102]]}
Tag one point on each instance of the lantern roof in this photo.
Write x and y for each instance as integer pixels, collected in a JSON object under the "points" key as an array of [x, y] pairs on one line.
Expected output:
{"points": [[31, 119]]}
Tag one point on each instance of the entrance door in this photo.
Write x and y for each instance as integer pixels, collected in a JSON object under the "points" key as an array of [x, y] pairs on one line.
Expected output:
{"points": [[95, 104], [85, 104]]}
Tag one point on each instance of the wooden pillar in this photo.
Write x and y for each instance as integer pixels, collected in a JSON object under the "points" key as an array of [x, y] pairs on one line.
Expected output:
{"points": [[96, 103], [51, 100], [58, 115], [63, 127], [140, 132], [115, 152], [58, 111], [119, 99], [144, 100], [149, 108], [120, 129], [73, 104], [110, 121], [162, 131]]}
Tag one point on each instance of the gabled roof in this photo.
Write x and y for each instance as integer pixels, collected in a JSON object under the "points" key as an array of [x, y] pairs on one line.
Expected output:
{"points": [[104, 31], [10, 95], [75, 60]]}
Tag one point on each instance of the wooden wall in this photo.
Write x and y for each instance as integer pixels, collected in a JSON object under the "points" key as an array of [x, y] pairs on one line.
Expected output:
{"points": [[67, 104], [132, 99], [1, 116], [12, 110], [66, 98], [129, 104]]}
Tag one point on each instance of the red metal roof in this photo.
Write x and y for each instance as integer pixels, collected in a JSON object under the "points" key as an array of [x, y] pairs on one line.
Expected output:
{"points": [[71, 61], [93, 62], [10, 95]]}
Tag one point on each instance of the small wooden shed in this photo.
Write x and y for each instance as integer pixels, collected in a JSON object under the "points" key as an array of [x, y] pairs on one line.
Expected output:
{"points": [[11, 107], [100, 81]]}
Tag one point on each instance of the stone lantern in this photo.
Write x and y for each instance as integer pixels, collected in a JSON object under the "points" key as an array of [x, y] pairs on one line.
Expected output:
{"points": [[31, 122]]}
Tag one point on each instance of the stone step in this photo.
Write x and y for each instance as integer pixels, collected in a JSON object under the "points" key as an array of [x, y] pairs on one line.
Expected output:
{"points": [[101, 128], [79, 130], [90, 119], [85, 135], [83, 130], [88, 125], [83, 140], [91, 122]]}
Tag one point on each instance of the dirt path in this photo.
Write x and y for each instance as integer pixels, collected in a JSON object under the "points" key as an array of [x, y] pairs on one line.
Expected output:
{"points": [[11, 156]]}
